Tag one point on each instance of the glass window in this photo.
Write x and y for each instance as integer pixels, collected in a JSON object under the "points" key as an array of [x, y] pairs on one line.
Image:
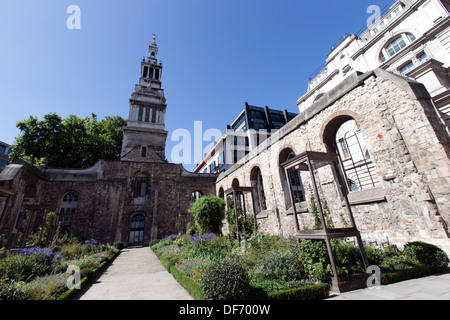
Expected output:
{"points": [[212, 167], [395, 46], [356, 161], [137, 228], [411, 37], [276, 117], [407, 68], [261, 191], [69, 203], [256, 115], [259, 126], [137, 222], [423, 57], [296, 183], [65, 221], [3, 164], [221, 159], [141, 187]]}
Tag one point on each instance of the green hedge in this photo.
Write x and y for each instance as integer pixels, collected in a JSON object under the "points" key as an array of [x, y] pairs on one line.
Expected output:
{"points": [[312, 292], [187, 283], [191, 286], [406, 274]]}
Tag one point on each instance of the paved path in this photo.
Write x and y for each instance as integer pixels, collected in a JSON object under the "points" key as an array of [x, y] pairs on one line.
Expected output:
{"points": [[136, 274], [435, 287]]}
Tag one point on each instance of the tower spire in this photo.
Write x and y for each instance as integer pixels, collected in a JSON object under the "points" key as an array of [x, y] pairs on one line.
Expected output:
{"points": [[144, 137], [153, 50]]}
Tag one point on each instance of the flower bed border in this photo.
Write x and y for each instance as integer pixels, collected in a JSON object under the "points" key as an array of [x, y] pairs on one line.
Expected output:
{"points": [[70, 294], [312, 292]]}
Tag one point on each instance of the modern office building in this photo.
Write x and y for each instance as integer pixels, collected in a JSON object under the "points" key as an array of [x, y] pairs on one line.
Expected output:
{"points": [[252, 127]]}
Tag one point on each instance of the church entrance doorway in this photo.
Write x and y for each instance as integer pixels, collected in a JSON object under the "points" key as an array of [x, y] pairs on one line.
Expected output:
{"points": [[137, 228]]}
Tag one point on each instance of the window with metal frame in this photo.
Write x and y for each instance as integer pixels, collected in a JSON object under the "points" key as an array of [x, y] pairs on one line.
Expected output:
{"points": [[69, 203], [357, 164]]}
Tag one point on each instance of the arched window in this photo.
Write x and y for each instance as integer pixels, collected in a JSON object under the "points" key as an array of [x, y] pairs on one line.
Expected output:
{"points": [[396, 45], [357, 163], [69, 203], [295, 179], [257, 182], [221, 193]]}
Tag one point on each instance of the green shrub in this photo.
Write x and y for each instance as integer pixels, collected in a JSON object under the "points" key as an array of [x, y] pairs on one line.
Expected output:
{"points": [[208, 213], [315, 260], [206, 247], [261, 286], [11, 290], [119, 245], [279, 264], [406, 273], [398, 262], [348, 257], [374, 255], [226, 280], [194, 268], [311, 292], [171, 253], [29, 263], [47, 288], [427, 254]]}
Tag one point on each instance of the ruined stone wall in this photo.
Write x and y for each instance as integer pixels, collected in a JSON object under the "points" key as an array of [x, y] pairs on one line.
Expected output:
{"points": [[409, 150], [106, 200]]}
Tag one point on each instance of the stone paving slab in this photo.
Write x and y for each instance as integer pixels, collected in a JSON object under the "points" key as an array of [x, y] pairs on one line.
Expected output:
{"points": [[136, 274], [436, 287]]}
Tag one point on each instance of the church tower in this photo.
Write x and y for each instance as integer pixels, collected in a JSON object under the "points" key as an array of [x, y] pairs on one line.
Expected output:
{"points": [[144, 137]]}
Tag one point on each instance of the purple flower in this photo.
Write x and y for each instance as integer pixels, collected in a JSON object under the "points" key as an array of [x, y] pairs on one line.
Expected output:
{"points": [[91, 242]]}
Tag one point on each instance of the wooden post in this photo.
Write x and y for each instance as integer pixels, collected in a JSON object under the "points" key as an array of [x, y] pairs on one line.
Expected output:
{"points": [[237, 220], [291, 195]]}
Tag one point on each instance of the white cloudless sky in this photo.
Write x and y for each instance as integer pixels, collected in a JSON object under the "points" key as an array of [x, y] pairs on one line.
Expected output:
{"points": [[216, 55]]}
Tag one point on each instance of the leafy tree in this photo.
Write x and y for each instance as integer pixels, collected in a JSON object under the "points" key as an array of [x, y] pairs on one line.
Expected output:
{"points": [[68, 143], [208, 213]]}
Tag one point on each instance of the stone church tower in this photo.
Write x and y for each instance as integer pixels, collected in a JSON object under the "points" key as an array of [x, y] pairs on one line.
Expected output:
{"points": [[144, 137]]}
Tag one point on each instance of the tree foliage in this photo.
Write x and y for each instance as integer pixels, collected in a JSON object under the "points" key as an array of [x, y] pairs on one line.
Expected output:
{"points": [[208, 213], [68, 143]]}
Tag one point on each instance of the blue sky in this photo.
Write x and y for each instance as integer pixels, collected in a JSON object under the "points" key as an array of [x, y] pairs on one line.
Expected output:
{"points": [[217, 55]]}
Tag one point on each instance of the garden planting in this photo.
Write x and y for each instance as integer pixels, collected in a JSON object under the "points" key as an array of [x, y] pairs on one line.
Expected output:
{"points": [[262, 266], [52, 272]]}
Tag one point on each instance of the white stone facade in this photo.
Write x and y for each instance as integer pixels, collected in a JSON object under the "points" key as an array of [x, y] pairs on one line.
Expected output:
{"points": [[411, 39]]}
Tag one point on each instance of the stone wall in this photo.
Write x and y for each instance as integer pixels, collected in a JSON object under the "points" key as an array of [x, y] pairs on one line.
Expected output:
{"points": [[106, 199], [407, 145]]}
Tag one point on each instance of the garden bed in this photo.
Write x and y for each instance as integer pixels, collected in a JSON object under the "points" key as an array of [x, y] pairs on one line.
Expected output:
{"points": [[43, 273], [277, 268]]}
